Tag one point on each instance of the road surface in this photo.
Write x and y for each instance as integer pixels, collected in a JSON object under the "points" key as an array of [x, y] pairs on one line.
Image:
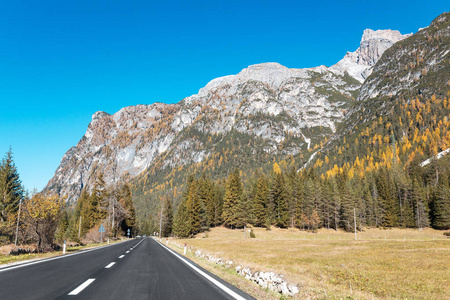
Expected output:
{"points": [[134, 269]]}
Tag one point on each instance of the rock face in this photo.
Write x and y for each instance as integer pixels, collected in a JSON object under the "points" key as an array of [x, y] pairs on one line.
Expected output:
{"points": [[120, 145], [416, 66], [359, 64], [270, 103]]}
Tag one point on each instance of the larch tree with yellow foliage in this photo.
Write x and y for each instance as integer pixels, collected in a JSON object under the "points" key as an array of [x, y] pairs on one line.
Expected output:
{"points": [[42, 212]]}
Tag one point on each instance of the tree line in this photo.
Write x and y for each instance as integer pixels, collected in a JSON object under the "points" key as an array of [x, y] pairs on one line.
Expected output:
{"points": [[46, 219], [387, 197], [111, 207]]}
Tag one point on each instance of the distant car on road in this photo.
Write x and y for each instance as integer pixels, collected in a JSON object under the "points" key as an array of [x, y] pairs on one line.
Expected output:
{"points": [[138, 236]]}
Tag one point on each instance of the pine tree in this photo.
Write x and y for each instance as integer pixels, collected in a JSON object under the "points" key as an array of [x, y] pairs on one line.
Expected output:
{"points": [[233, 196], [278, 197], [441, 206], [83, 214], [205, 196], [194, 207], [11, 191], [387, 192], [182, 224], [335, 203], [126, 195], [260, 204], [347, 207], [217, 204], [167, 217], [420, 205], [99, 200]]}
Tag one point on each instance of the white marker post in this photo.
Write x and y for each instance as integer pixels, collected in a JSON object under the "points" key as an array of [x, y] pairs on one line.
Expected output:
{"points": [[64, 247], [185, 249]]}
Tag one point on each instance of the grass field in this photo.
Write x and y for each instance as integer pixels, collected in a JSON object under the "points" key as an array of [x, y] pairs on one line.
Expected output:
{"points": [[8, 259], [380, 264]]}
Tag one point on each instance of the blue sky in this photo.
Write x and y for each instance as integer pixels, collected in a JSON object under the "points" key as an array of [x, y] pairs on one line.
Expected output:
{"points": [[61, 61]]}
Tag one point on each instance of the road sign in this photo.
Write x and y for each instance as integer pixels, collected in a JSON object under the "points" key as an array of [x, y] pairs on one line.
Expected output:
{"points": [[101, 229], [128, 231]]}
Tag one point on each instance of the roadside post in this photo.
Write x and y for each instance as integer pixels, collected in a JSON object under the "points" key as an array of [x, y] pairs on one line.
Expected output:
{"points": [[64, 247], [184, 248], [101, 230], [128, 233]]}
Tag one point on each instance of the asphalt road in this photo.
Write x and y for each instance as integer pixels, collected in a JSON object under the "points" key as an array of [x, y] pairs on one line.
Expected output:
{"points": [[134, 269]]}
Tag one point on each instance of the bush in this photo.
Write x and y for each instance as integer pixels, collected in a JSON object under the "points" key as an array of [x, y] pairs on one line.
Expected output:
{"points": [[447, 233], [252, 234]]}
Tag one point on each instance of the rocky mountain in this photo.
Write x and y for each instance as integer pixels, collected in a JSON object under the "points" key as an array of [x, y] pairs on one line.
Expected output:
{"points": [[404, 102], [359, 64], [265, 112]]}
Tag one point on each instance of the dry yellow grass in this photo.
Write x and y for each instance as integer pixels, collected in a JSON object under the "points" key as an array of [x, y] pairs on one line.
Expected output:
{"points": [[385, 264], [5, 258]]}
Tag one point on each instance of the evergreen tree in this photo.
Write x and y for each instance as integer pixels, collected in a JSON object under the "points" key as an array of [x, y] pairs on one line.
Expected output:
{"points": [[217, 204], [62, 231], [335, 203], [194, 208], [11, 191], [347, 207], [83, 214], [167, 217], [205, 196], [182, 225], [260, 204], [278, 197], [421, 208], [387, 192], [233, 197], [126, 195], [99, 200], [441, 206]]}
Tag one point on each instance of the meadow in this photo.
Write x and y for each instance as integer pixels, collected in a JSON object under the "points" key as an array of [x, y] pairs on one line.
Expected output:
{"points": [[379, 264]]}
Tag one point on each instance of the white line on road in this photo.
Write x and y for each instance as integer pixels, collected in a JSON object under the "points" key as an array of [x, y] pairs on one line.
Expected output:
{"points": [[110, 265], [121, 256], [54, 258], [81, 287], [127, 252], [214, 281]]}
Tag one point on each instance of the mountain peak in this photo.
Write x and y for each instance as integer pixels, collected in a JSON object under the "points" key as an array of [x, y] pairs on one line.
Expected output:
{"points": [[373, 43], [386, 34], [98, 115]]}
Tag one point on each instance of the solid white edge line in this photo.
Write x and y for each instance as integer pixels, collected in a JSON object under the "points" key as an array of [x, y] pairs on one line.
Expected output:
{"points": [[110, 265], [214, 281], [81, 287], [121, 256], [57, 257]]}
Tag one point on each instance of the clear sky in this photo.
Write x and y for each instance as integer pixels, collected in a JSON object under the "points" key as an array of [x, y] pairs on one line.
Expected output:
{"points": [[61, 61]]}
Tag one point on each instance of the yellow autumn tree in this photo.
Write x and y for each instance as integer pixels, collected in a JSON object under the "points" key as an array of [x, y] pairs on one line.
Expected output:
{"points": [[42, 212], [276, 168]]}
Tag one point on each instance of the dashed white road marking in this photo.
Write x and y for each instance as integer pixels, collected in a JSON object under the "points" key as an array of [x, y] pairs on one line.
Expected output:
{"points": [[127, 252], [121, 256], [55, 258], [110, 265], [81, 287]]}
